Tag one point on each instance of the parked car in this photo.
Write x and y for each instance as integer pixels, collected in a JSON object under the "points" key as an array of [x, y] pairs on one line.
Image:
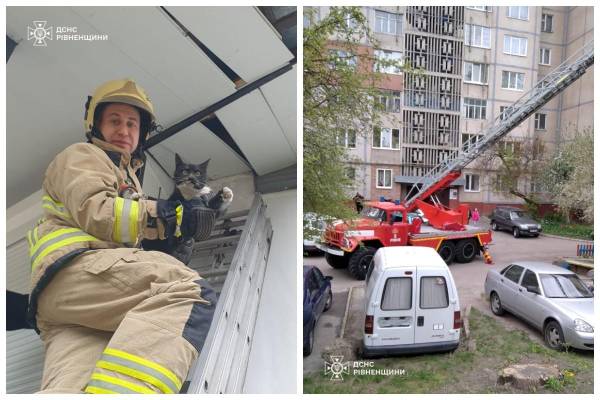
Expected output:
{"points": [[317, 299], [552, 299], [314, 226], [411, 303], [514, 220]]}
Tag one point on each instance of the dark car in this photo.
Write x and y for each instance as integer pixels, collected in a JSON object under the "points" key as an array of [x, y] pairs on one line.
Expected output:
{"points": [[317, 298], [515, 221]]}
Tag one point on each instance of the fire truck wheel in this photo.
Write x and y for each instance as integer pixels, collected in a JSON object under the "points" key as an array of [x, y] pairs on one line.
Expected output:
{"points": [[446, 251], [466, 251], [359, 262], [336, 262]]}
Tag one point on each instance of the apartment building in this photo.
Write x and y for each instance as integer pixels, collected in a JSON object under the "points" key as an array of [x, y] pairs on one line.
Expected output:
{"points": [[474, 61]]}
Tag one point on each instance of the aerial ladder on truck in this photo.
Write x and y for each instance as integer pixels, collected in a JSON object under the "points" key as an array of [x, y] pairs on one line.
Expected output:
{"points": [[446, 172]]}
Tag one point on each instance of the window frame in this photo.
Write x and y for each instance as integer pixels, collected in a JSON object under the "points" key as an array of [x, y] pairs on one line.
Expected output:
{"points": [[421, 293], [398, 18], [519, 9], [536, 123], [390, 69], [483, 71], [392, 131], [549, 52], [509, 51], [480, 8], [377, 170], [516, 81], [481, 107], [470, 34], [467, 181], [518, 281], [544, 22]]}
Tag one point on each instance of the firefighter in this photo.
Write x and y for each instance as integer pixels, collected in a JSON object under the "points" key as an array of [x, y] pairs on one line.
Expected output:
{"points": [[113, 318]]}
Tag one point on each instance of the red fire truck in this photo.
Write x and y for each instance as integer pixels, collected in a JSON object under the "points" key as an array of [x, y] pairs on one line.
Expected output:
{"points": [[354, 243]]}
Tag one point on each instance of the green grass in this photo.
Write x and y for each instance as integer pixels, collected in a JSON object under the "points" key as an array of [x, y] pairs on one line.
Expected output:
{"points": [[464, 371], [577, 231]]}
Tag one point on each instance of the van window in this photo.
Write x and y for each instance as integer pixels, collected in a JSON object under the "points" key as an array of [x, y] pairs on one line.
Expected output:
{"points": [[397, 294], [434, 292], [514, 273]]}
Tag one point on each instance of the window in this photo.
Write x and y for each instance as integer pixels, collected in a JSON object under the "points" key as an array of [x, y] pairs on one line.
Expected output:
{"points": [[480, 8], [386, 138], [475, 108], [471, 183], [476, 73], [434, 292], [514, 273], [350, 22], [397, 294], [547, 23], [469, 140], [388, 22], [347, 138], [518, 12], [512, 80], [384, 178], [341, 57], [515, 45], [350, 173], [529, 279], [391, 101], [564, 285], [307, 20], [388, 55], [540, 122], [477, 36], [544, 56]]}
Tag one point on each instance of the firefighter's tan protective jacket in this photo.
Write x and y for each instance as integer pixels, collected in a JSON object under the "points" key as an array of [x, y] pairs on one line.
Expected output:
{"points": [[83, 210]]}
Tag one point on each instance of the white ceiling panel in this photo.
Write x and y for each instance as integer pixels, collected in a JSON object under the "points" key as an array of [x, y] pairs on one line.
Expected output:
{"points": [[253, 126], [281, 96], [239, 36], [197, 144]]}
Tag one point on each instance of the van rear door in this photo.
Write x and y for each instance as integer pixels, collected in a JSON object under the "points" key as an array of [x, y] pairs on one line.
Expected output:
{"points": [[436, 303], [394, 308]]}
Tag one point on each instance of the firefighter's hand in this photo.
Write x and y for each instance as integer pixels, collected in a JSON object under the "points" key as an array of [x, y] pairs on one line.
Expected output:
{"points": [[169, 215]]}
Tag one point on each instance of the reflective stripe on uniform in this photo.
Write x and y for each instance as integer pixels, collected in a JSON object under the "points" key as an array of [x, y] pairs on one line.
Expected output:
{"points": [[140, 368], [55, 240], [126, 218], [55, 207], [111, 384]]}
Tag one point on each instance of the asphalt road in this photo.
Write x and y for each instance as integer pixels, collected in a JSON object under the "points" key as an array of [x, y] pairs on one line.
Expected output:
{"points": [[469, 279]]}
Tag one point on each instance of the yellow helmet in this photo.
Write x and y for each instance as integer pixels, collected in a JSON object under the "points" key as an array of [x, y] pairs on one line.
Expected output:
{"points": [[120, 91]]}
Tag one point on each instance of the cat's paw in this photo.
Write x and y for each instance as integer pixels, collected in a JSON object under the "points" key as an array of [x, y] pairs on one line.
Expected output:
{"points": [[227, 194]]}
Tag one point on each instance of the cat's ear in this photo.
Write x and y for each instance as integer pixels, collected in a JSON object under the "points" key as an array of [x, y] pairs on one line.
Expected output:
{"points": [[178, 159], [204, 165]]}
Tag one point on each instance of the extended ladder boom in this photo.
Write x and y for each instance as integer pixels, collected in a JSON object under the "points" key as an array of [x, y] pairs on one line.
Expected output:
{"points": [[443, 174]]}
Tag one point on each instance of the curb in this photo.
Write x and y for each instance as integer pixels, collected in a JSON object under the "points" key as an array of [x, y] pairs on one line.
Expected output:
{"points": [[345, 318], [584, 241]]}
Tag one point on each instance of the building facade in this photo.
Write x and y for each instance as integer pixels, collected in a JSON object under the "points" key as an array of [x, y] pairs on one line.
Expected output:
{"points": [[472, 62]]}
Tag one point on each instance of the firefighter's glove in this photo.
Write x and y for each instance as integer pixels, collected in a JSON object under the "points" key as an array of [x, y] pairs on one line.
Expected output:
{"points": [[170, 216], [198, 220]]}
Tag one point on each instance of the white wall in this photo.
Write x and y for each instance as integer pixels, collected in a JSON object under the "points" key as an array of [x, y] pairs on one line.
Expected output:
{"points": [[272, 365]]}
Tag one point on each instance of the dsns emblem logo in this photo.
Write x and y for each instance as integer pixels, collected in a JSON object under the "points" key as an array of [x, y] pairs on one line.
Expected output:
{"points": [[337, 368], [39, 34]]}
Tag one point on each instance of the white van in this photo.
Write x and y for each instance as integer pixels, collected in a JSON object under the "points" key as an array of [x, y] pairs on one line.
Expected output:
{"points": [[411, 303]]}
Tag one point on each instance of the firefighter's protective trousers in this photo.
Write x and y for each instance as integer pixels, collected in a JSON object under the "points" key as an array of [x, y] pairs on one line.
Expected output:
{"points": [[113, 317]]}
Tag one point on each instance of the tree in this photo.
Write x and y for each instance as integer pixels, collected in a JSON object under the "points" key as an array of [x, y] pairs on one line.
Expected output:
{"points": [[340, 87], [570, 176]]}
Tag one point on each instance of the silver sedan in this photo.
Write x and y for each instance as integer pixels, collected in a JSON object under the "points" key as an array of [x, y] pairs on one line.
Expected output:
{"points": [[552, 299]]}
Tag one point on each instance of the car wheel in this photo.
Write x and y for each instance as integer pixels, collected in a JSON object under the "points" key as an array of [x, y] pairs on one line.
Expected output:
{"points": [[466, 251], [446, 251], [496, 304], [516, 232], [329, 301], [336, 262], [553, 336], [494, 226], [359, 262], [311, 341]]}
